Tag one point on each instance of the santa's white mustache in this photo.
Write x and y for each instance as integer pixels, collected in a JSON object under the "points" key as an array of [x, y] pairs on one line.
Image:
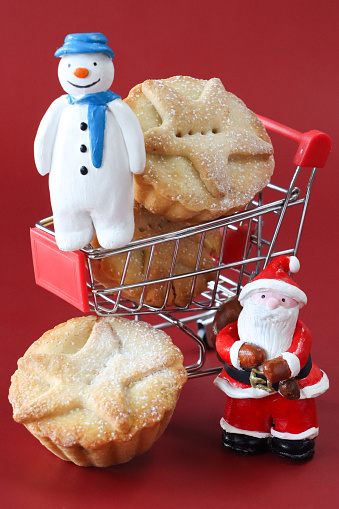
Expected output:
{"points": [[278, 314]]}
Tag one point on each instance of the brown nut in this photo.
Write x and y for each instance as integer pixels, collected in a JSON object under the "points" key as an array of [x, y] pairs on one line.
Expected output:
{"points": [[290, 389]]}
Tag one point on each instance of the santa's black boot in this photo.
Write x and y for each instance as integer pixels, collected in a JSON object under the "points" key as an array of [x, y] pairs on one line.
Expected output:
{"points": [[300, 450], [244, 444]]}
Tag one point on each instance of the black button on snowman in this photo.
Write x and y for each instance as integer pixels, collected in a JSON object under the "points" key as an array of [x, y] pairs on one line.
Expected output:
{"points": [[107, 149]]}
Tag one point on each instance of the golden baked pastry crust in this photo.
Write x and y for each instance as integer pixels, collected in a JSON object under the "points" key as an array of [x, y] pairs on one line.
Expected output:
{"points": [[207, 153], [98, 391], [109, 270]]}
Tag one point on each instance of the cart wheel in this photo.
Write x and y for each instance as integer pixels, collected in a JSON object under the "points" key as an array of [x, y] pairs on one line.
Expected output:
{"points": [[205, 331]]}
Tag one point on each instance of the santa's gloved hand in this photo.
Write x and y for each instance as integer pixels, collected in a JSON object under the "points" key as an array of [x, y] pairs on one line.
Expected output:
{"points": [[251, 356], [276, 370]]}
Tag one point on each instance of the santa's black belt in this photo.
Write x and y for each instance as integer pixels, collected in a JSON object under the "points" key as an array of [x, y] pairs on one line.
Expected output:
{"points": [[245, 376]]}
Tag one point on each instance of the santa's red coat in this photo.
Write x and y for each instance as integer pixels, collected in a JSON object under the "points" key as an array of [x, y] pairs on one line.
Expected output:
{"points": [[313, 385]]}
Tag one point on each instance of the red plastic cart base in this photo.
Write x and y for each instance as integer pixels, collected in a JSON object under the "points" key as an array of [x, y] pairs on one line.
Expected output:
{"points": [[62, 273]]}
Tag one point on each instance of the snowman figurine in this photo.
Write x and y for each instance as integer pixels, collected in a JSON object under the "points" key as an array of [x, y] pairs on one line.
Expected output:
{"points": [[90, 142]]}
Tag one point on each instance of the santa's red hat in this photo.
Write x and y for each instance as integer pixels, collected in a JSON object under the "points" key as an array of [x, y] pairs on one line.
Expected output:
{"points": [[275, 277]]}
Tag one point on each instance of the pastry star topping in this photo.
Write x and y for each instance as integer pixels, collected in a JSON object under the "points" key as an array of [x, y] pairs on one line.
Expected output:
{"points": [[200, 130], [96, 377]]}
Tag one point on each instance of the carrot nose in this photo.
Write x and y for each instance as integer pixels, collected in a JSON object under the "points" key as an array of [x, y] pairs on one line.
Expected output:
{"points": [[81, 72]]}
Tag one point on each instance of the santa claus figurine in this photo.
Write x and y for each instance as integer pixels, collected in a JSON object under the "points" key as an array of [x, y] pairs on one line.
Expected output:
{"points": [[269, 378]]}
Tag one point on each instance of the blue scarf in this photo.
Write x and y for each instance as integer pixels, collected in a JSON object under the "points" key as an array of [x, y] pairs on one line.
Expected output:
{"points": [[96, 118]]}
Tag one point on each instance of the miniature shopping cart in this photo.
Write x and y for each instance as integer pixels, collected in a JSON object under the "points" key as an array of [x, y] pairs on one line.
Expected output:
{"points": [[270, 226]]}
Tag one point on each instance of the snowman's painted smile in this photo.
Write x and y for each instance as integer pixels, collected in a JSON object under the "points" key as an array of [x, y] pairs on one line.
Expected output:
{"points": [[84, 86]]}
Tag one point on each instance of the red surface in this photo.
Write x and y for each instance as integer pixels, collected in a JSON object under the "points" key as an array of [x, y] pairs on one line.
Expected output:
{"points": [[281, 58]]}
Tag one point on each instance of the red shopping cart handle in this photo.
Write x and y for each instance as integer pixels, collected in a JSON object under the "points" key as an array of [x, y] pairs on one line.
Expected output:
{"points": [[314, 146]]}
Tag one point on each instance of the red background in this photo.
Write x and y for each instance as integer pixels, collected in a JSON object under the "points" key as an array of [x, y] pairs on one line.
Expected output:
{"points": [[281, 58]]}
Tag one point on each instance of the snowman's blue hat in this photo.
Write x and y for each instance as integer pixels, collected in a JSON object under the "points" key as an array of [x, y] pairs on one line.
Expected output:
{"points": [[84, 43]]}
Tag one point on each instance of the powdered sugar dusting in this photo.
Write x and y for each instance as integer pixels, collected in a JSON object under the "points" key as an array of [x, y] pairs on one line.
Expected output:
{"points": [[201, 130], [194, 132], [124, 378]]}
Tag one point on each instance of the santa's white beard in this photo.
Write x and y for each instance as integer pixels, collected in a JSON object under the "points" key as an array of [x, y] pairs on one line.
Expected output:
{"points": [[272, 329]]}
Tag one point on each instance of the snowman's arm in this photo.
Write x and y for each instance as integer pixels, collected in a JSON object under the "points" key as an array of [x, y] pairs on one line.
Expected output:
{"points": [[45, 137], [132, 133]]}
